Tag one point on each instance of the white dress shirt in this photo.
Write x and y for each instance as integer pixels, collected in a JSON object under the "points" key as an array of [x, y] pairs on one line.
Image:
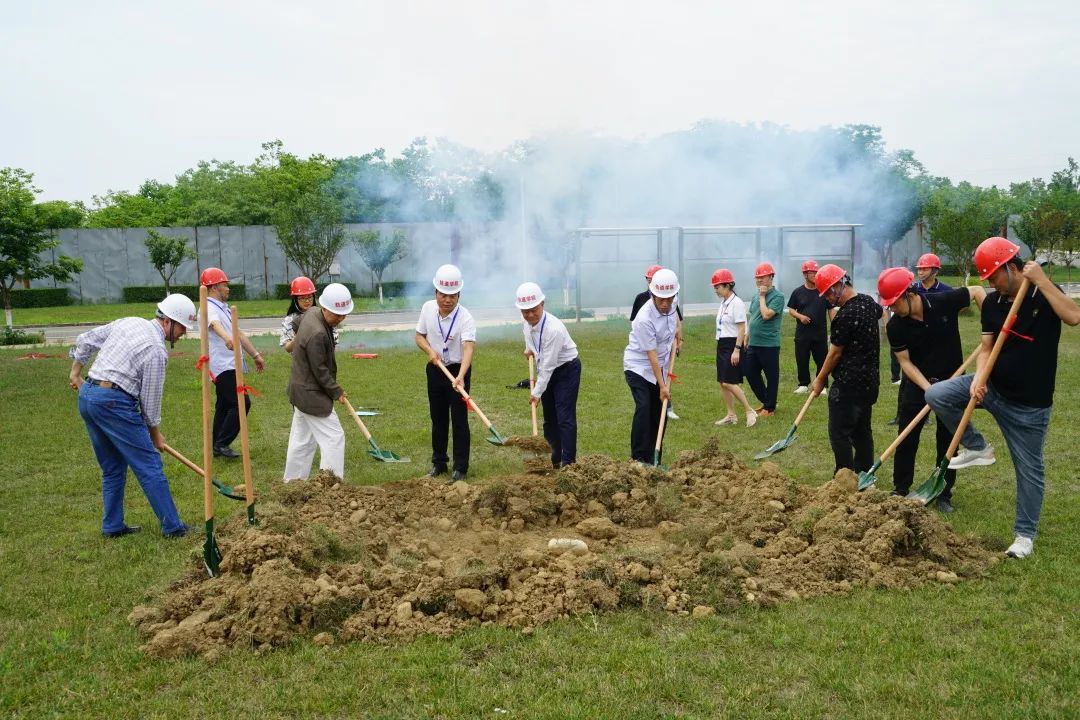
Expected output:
{"points": [[732, 312], [552, 345], [650, 331], [446, 334]]}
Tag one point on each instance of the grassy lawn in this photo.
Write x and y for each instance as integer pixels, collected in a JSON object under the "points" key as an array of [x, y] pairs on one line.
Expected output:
{"points": [[24, 317], [1008, 646]]}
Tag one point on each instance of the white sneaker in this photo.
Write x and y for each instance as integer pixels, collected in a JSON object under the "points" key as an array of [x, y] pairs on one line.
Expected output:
{"points": [[801, 390], [971, 458], [1021, 547], [671, 415], [751, 419], [727, 420]]}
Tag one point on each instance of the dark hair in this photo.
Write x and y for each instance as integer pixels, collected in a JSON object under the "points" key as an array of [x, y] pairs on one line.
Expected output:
{"points": [[294, 308]]}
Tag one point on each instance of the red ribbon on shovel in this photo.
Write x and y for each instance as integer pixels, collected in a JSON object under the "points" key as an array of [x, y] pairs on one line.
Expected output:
{"points": [[247, 390], [201, 363], [674, 378]]}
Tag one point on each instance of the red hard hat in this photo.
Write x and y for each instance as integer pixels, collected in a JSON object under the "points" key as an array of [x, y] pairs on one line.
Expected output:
{"points": [[301, 286], [652, 271], [992, 253], [892, 283], [828, 276], [213, 276], [809, 266], [929, 260], [764, 269], [722, 276]]}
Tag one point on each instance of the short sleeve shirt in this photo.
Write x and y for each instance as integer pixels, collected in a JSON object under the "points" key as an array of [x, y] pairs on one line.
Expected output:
{"points": [[933, 343], [1026, 370], [732, 312], [765, 333], [855, 329], [806, 301], [222, 358], [445, 335], [649, 331]]}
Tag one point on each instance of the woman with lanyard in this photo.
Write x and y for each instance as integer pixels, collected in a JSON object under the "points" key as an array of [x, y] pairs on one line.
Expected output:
{"points": [[450, 327], [303, 297], [646, 359], [558, 373], [730, 341]]}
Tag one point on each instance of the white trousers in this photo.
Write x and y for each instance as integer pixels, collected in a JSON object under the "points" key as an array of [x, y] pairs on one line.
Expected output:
{"points": [[307, 432]]}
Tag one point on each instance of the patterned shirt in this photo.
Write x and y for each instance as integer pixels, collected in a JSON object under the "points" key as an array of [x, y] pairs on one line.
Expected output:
{"points": [[291, 324], [131, 353], [855, 329]]}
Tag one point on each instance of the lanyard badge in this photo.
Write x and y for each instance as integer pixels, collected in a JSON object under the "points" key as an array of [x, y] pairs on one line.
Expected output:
{"points": [[446, 335]]}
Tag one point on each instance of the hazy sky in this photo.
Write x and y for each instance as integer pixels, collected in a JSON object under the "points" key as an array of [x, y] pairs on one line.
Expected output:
{"points": [[100, 95]]}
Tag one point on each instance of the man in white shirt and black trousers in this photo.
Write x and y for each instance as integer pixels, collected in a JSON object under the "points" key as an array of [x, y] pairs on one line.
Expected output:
{"points": [[558, 373], [446, 333]]}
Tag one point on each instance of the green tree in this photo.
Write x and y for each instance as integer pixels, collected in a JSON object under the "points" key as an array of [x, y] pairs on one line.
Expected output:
{"points": [[24, 236], [378, 251], [1050, 214], [166, 254], [962, 216]]}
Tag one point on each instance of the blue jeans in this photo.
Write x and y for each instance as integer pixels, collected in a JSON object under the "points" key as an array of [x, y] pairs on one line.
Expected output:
{"points": [[1024, 429], [121, 440]]}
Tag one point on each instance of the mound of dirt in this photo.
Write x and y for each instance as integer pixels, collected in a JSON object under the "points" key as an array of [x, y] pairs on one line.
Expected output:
{"points": [[342, 563]]}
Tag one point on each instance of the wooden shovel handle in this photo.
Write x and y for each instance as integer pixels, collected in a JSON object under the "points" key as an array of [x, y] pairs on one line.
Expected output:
{"points": [[983, 373], [208, 444], [245, 446], [468, 400], [359, 422], [190, 465], [805, 407], [926, 410], [532, 384], [664, 404]]}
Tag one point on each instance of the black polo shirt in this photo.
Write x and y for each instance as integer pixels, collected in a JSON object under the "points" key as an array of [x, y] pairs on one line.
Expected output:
{"points": [[1027, 367], [807, 302], [855, 329], [933, 343]]}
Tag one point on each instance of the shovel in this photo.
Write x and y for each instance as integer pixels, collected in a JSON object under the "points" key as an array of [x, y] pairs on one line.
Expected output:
{"points": [[788, 439], [935, 484], [867, 477], [225, 490], [496, 438], [532, 384], [245, 447], [663, 409], [211, 552], [376, 452]]}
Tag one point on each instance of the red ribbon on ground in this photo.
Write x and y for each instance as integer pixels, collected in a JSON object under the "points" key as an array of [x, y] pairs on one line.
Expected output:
{"points": [[247, 390]]}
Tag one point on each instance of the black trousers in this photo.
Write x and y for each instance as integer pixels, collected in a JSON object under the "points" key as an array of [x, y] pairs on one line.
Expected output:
{"points": [[911, 402], [646, 424], [226, 409], [448, 409], [804, 348], [758, 361], [560, 412], [850, 433]]}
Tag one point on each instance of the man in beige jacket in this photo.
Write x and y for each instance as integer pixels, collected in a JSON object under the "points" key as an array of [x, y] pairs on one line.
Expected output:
{"points": [[313, 388]]}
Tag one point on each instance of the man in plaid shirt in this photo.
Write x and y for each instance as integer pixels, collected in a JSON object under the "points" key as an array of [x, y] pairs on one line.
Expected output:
{"points": [[120, 402]]}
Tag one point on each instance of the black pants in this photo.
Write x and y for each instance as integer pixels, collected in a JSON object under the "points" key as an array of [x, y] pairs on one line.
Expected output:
{"points": [[894, 367], [758, 361], [850, 434], [448, 408], [804, 348], [646, 425], [226, 409], [911, 402], [560, 412]]}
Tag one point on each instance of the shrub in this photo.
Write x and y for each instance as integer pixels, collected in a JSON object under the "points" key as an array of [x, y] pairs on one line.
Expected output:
{"points": [[11, 336], [281, 291], [40, 297], [155, 293]]}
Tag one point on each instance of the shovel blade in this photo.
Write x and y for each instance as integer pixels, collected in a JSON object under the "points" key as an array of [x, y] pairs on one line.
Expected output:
{"points": [[211, 553], [384, 455], [778, 445], [494, 437], [933, 486], [867, 477], [229, 491]]}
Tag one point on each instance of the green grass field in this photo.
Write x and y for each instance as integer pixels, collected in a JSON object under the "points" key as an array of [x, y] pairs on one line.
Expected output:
{"points": [[1007, 646]]}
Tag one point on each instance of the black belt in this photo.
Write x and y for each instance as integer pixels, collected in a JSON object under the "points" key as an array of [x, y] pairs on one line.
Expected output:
{"points": [[109, 385]]}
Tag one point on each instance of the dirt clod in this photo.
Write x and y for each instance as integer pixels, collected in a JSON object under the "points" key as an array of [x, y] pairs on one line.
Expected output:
{"points": [[338, 563]]}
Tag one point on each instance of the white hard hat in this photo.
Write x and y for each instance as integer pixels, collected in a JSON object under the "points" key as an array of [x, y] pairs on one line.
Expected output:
{"points": [[448, 280], [664, 283], [179, 308], [529, 295], [337, 299]]}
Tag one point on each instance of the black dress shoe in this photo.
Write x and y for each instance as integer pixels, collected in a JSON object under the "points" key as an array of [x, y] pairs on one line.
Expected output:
{"points": [[182, 531], [225, 451], [126, 530], [436, 471], [944, 505], [458, 475]]}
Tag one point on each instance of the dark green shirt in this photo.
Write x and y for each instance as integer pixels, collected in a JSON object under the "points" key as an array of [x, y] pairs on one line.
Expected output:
{"points": [[765, 333]]}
